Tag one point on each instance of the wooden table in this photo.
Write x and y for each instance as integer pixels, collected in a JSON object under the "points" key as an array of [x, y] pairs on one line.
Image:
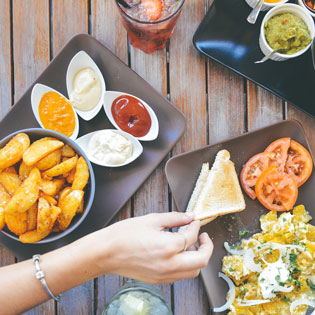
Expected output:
{"points": [[218, 104]]}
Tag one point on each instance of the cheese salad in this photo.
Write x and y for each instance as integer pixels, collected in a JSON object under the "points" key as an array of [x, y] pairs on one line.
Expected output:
{"points": [[273, 271]]}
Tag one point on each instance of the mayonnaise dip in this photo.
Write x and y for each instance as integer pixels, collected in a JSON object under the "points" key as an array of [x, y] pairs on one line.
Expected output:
{"points": [[86, 91], [110, 147]]}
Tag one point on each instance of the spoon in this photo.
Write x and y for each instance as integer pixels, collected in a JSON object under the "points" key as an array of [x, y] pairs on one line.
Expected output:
{"points": [[254, 14], [313, 52], [128, 5], [271, 54]]}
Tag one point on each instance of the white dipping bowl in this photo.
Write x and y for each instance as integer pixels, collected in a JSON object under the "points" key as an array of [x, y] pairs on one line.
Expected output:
{"points": [[285, 8], [84, 141], [266, 6], [80, 61], [109, 98], [302, 4], [37, 93]]}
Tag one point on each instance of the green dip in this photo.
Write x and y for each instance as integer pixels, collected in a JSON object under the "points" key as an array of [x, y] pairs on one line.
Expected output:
{"points": [[287, 31]]}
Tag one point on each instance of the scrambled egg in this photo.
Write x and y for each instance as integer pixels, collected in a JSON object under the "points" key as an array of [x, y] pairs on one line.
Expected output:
{"points": [[275, 267]]}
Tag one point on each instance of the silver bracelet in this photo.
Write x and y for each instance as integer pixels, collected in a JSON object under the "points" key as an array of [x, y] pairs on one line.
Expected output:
{"points": [[41, 277]]}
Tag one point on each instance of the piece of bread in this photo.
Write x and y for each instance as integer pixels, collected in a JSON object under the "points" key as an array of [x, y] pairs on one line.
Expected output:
{"points": [[217, 192]]}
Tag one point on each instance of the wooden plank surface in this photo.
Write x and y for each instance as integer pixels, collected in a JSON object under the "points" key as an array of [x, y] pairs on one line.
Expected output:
{"points": [[188, 93]]}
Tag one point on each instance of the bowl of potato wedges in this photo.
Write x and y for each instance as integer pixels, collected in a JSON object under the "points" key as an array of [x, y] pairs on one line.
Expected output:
{"points": [[47, 185]]}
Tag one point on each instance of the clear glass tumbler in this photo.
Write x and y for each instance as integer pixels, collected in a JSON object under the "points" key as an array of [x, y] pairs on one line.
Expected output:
{"points": [[149, 35], [137, 298]]}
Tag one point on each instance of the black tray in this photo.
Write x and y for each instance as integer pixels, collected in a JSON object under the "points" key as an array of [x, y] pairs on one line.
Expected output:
{"points": [[225, 36], [114, 186]]}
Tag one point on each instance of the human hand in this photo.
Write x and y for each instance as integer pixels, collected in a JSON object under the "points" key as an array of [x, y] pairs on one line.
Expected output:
{"points": [[141, 248]]}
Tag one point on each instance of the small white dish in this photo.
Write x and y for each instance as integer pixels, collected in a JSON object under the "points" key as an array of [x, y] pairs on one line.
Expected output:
{"points": [[83, 142], [37, 93], [285, 8], [266, 6], [109, 98], [302, 4], [79, 61]]}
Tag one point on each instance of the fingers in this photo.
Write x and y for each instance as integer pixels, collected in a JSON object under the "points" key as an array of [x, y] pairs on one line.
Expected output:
{"points": [[194, 260], [171, 219], [190, 234]]}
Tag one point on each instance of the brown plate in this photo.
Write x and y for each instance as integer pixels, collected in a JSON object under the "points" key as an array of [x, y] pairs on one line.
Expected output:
{"points": [[225, 228], [114, 186]]}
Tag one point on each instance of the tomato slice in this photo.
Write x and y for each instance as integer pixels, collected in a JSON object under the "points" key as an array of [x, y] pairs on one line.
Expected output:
{"points": [[276, 190], [279, 148], [299, 163], [252, 170]]}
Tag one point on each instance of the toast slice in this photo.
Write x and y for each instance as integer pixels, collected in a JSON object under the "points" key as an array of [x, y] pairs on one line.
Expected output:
{"points": [[217, 192]]}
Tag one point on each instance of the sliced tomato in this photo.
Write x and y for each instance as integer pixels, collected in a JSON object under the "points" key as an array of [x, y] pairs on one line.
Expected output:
{"points": [[279, 149], [299, 163], [252, 170], [276, 190]]}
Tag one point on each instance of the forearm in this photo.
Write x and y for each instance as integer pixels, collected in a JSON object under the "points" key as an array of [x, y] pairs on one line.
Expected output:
{"points": [[64, 269]]}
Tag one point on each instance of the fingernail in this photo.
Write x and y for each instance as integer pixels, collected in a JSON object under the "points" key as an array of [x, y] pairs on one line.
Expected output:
{"points": [[190, 214]]}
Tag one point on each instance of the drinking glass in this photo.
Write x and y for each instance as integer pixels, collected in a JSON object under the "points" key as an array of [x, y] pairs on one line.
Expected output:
{"points": [[149, 35]]}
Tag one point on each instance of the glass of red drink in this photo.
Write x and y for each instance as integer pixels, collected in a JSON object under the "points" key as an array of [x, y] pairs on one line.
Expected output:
{"points": [[150, 23]]}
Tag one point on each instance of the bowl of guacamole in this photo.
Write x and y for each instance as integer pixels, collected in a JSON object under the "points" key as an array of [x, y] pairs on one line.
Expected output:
{"points": [[289, 29]]}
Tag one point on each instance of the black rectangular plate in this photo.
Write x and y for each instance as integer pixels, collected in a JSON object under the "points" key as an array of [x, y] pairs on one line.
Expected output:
{"points": [[114, 186], [225, 228], [225, 36]]}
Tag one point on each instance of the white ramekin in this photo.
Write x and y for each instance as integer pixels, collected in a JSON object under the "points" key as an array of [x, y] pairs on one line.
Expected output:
{"points": [[266, 6], [302, 4], [285, 8]]}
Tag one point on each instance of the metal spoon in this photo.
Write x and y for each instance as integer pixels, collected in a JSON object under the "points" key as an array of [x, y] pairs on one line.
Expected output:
{"points": [[254, 14], [128, 5], [313, 52], [271, 54]]}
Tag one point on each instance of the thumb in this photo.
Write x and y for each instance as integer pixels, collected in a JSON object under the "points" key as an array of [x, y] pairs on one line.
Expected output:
{"points": [[173, 219]]}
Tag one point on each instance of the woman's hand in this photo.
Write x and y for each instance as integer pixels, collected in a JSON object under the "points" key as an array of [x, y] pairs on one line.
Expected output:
{"points": [[141, 248]]}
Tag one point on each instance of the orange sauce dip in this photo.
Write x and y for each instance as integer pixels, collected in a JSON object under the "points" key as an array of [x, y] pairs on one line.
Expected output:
{"points": [[56, 113], [272, 1]]}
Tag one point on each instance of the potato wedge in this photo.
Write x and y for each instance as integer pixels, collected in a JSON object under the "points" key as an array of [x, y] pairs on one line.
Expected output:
{"points": [[10, 169], [17, 222], [81, 207], [14, 150], [69, 206], [39, 149], [62, 168], [26, 195], [52, 201], [4, 198], [33, 236], [11, 182], [55, 211], [43, 215], [48, 187], [81, 175], [59, 184], [24, 170], [70, 176], [32, 217], [67, 151], [49, 161]]}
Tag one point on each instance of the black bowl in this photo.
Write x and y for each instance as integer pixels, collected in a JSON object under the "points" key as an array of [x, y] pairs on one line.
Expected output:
{"points": [[35, 134]]}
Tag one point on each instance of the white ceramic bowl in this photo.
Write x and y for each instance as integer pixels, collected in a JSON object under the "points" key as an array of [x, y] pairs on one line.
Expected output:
{"points": [[110, 96], [79, 61], [37, 93], [266, 6], [285, 8], [302, 4], [83, 142]]}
